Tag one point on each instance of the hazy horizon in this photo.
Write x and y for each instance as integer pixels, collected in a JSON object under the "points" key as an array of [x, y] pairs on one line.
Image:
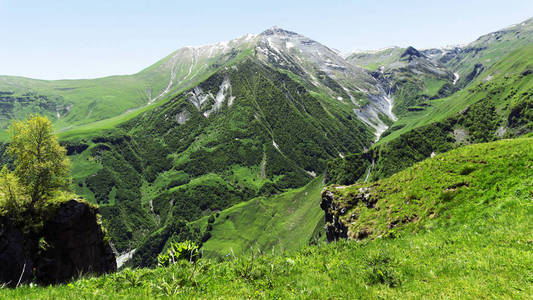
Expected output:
{"points": [[58, 40]]}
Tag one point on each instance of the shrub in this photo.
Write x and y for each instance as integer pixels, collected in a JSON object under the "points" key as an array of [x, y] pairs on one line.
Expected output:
{"points": [[447, 195], [382, 270], [178, 251], [211, 219], [467, 170]]}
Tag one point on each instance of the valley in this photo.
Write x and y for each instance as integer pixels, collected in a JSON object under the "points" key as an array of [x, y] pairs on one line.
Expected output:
{"points": [[264, 149]]}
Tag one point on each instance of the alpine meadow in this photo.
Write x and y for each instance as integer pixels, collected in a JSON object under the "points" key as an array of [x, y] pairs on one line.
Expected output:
{"points": [[273, 166]]}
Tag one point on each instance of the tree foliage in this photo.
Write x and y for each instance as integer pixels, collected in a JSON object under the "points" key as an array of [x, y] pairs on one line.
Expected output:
{"points": [[13, 198], [41, 164]]}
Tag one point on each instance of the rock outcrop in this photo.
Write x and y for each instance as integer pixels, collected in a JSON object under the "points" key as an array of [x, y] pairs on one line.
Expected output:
{"points": [[336, 209], [15, 258], [70, 243], [335, 229], [76, 245]]}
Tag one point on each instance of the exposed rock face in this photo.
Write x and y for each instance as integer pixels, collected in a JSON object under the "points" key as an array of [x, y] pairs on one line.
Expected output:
{"points": [[75, 245], [410, 53], [335, 229], [15, 259], [478, 68], [337, 224]]}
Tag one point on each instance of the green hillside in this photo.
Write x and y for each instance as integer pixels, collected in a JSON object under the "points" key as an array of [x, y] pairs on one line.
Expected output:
{"points": [[457, 187], [290, 219], [187, 157], [71, 103], [454, 226], [484, 111], [488, 49]]}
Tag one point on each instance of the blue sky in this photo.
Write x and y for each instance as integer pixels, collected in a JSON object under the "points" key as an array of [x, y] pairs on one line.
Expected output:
{"points": [[87, 39]]}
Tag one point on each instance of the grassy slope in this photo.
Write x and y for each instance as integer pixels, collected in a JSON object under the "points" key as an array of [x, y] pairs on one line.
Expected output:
{"points": [[231, 146], [372, 60], [464, 185], [92, 99], [102, 103], [506, 86], [279, 223], [488, 49], [478, 245]]}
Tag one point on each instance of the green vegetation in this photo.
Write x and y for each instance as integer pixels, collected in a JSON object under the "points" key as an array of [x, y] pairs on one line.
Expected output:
{"points": [[153, 172], [40, 177], [40, 162], [289, 218], [458, 187], [348, 169], [474, 243], [187, 251], [485, 111]]}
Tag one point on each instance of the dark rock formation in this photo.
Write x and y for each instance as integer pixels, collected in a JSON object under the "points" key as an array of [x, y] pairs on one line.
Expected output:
{"points": [[15, 261], [70, 243], [338, 227], [335, 229], [478, 68], [410, 53], [77, 245]]}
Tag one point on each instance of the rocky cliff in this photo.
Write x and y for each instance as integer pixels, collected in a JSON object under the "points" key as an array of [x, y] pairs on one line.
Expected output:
{"points": [[336, 207], [69, 244]]}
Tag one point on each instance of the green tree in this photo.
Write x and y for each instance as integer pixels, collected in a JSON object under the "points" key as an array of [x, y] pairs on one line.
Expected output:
{"points": [[41, 164], [13, 198]]}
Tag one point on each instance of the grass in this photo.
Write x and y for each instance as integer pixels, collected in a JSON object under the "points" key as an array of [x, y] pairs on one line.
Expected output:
{"points": [[476, 245], [103, 103], [278, 223], [372, 60], [464, 186], [506, 86]]}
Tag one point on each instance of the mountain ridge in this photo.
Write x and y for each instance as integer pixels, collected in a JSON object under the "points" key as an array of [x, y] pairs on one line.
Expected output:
{"points": [[246, 120]]}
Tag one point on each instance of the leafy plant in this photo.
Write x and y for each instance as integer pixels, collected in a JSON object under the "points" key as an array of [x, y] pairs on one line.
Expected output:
{"points": [[177, 251], [13, 197], [382, 270]]}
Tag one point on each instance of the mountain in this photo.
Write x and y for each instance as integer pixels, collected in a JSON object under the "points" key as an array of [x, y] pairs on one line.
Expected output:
{"points": [[264, 122], [491, 102], [71, 103], [469, 60], [407, 75], [216, 143], [461, 230]]}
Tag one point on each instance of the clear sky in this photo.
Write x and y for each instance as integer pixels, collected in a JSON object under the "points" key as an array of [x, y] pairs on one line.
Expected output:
{"points": [[85, 39]]}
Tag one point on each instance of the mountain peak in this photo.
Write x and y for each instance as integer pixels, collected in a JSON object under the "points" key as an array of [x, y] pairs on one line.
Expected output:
{"points": [[275, 30], [410, 53]]}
